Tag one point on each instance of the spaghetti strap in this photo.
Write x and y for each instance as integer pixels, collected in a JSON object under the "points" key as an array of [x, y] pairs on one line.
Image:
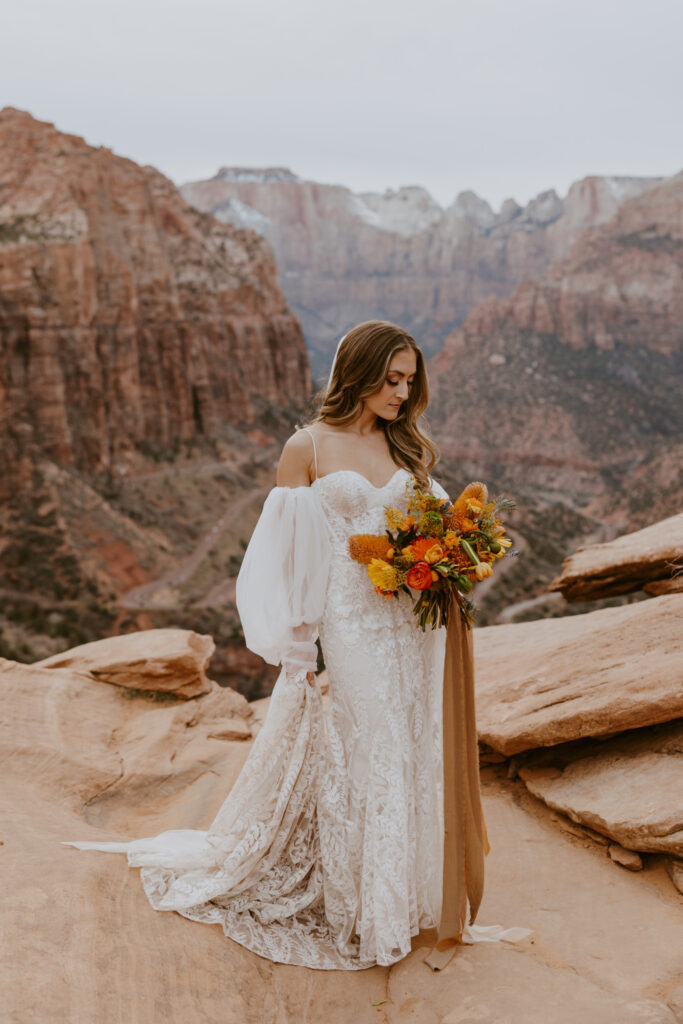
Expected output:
{"points": [[315, 453]]}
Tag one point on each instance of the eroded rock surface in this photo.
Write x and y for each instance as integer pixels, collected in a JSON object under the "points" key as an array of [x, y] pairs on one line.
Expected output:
{"points": [[127, 317], [650, 559], [84, 760], [552, 680], [168, 660], [629, 788]]}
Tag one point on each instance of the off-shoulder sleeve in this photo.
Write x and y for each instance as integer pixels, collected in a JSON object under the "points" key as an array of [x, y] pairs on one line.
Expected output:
{"points": [[282, 583], [437, 489]]}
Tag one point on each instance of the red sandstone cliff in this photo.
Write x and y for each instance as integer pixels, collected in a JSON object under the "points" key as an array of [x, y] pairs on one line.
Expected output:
{"points": [[149, 366], [347, 257], [569, 391], [126, 316]]}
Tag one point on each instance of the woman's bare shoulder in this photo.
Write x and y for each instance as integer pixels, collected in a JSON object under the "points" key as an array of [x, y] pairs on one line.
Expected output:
{"points": [[296, 460]]}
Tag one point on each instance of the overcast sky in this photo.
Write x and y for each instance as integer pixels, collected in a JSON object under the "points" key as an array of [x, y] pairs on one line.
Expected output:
{"points": [[505, 97]]}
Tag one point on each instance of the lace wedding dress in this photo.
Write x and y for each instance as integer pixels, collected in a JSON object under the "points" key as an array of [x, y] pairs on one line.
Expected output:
{"points": [[328, 850]]}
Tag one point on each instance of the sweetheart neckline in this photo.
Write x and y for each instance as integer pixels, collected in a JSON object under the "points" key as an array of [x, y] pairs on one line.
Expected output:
{"points": [[355, 472]]}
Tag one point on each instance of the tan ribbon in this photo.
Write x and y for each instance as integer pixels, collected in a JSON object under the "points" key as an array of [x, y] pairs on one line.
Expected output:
{"points": [[465, 839]]}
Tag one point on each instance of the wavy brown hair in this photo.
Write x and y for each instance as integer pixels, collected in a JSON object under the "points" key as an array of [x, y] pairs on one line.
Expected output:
{"points": [[360, 370]]}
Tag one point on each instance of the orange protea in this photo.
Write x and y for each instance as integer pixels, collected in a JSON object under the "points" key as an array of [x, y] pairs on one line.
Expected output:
{"points": [[472, 500], [363, 547]]}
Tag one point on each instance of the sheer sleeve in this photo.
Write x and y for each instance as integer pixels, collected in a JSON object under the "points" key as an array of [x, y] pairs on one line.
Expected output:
{"points": [[437, 489], [282, 583]]}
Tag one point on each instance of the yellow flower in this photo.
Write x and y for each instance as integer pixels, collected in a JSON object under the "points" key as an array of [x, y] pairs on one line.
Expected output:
{"points": [[434, 554], [483, 569], [383, 575], [394, 517], [451, 540], [474, 506], [408, 554]]}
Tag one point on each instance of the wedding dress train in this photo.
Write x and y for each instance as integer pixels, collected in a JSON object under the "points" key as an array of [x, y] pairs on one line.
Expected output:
{"points": [[328, 850]]}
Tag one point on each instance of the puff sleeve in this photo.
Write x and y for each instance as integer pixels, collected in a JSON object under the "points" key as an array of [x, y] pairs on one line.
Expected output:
{"points": [[282, 583], [436, 489]]}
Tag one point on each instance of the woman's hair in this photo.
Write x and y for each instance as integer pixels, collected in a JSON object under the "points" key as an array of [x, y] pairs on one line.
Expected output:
{"points": [[360, 370]]}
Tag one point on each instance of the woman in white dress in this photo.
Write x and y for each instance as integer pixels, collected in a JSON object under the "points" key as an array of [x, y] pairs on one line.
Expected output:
{"points": [[328, 852]]}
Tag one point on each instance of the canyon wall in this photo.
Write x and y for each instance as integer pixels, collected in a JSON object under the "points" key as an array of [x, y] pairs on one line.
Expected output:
{"points": [[346, 257], [126, 316], [573, 383]]}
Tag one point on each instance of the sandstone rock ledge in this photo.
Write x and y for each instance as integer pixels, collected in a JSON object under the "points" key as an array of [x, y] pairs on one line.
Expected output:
{"points": [[650, 559], [166, 660], [82, 759], [549, 681]]}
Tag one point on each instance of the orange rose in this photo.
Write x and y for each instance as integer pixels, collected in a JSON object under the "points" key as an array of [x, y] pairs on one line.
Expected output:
{"points": [[419, 576]]}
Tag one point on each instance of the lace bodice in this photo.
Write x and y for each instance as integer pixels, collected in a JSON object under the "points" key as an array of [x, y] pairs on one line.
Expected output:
{"points": [[351, 504]]}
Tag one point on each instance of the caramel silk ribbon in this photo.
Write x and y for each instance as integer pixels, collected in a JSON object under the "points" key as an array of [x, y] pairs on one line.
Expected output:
{"points": [[465, 840]]}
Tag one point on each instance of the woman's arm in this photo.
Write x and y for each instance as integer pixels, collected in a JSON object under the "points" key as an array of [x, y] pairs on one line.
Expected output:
{"points": [[296, 461]]}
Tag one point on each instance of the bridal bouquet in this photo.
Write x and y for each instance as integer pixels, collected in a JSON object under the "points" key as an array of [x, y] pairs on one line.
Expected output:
{"points": [[440, 548]]}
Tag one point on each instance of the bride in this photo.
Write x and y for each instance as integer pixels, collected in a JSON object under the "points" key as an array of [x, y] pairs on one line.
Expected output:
{"points": [[333, 849]]}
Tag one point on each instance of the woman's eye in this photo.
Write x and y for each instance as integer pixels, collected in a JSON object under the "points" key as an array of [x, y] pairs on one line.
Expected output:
{"points": [[395, 382]]}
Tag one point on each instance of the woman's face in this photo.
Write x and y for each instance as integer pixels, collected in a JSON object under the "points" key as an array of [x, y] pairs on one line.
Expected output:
{"points": [[394, 392]]}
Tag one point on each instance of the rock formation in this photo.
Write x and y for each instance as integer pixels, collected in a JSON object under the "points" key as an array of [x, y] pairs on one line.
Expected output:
{"points": [[556, 680], [622, 788], [346, 257], [84, 759], [127, 318], [566, 395], [591, 706], [149, 366], [157, 660], [650, 559]]}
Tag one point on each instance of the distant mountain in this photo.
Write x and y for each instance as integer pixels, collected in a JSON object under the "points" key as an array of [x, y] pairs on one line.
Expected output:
{"points": [[344, 257], [569, 393]]}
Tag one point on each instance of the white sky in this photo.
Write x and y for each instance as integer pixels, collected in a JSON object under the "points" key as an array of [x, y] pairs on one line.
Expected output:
{"points": [[506, 97]]}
